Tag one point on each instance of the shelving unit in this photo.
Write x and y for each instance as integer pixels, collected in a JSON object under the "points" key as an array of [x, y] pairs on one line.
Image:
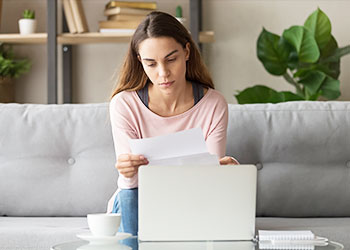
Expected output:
{"points": [[68, 40], [91, 37]]}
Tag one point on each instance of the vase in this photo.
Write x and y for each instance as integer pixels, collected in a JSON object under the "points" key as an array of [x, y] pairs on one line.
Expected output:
{"points": [[7, 90], [27, 26]]}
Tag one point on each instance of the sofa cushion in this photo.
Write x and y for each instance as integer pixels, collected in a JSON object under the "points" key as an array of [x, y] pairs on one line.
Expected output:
{"points": [[55, 160], [335, 229], [303, 152], [18, 233]]}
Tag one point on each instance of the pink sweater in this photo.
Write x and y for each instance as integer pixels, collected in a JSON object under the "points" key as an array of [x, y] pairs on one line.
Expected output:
{"points": [[130, 118]]}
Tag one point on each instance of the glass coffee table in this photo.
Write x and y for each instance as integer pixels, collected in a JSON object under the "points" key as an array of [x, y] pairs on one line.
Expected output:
{"points": [[133, 244]]}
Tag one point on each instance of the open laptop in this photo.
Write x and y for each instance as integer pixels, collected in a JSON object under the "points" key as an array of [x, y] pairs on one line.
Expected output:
{"points": [[196, 203]]}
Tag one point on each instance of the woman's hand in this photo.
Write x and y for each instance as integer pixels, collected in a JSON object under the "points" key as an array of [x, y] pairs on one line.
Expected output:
{"points": [[128, 164], [228, 160]]}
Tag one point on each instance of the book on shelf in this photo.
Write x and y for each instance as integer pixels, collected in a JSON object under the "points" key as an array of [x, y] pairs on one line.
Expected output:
{"points": [[126, 17], [125, 10], [79, 16], [128, 4], [118, 24], [69, 16]]}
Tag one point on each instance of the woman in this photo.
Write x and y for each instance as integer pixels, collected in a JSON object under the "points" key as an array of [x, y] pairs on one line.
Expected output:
{"points": [[163, 88]]}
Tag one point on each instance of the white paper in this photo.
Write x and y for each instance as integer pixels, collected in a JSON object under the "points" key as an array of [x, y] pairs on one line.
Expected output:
{"points": [[186, 147]]}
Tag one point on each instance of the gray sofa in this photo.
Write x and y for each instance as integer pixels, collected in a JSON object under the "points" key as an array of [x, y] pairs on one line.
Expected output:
{"points": [[57, 165]]}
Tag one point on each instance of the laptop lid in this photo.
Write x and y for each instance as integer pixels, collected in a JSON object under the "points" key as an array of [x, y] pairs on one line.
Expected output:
{"points": [[190, 203]]}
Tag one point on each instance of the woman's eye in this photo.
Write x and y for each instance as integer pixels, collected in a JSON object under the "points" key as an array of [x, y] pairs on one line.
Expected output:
{"points": [[171, 59], [151, 65]]}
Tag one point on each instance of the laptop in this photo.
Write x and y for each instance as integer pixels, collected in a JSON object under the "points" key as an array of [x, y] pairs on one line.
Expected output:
{"points": [[197, 245], [197, 203]]}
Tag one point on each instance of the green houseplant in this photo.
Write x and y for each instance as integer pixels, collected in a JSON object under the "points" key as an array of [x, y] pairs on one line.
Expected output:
{"points": [[179, 16], [10, 68], [27, 24], [28, 14], [308, 57]]}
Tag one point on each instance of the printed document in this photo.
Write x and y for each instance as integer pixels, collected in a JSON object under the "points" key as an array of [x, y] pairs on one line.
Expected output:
{"points": [[182, 148]]}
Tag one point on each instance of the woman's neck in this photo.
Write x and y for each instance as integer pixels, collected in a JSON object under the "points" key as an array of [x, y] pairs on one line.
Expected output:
{"points": [[173, 103]]}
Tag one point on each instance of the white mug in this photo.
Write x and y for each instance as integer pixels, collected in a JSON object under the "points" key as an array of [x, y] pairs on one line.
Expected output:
{"points": [[104, 224]]}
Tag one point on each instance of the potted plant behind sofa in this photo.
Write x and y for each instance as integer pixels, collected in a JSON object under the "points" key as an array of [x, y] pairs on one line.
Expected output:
{"points": [[27, 25], [10, 68], [308, 57]]}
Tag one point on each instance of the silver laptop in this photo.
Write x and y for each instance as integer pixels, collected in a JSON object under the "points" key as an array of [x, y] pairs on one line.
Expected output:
{"points": [[195, 203], [197, 245]]}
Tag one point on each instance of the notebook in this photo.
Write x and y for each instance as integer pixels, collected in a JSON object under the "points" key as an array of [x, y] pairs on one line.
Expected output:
{"points": [[293, 240], [194, 203]]}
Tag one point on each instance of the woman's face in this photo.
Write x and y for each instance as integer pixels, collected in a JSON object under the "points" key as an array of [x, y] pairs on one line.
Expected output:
{"points": [[164, 62]]}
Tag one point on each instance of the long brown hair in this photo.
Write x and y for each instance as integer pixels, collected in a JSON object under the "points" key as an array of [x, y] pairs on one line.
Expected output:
{"points": [[159, 24]]}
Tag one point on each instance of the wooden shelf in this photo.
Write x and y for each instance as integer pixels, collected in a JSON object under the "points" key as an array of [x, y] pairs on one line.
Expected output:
{"points": [[92, 37], [17, 38]]}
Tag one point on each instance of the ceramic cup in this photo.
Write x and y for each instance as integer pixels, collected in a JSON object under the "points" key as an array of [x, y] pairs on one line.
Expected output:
{"points": [[104, 224]]}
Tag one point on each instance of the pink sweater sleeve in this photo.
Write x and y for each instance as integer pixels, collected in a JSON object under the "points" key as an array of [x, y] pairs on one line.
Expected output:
{"points": [[216, 137], [122, 131]]}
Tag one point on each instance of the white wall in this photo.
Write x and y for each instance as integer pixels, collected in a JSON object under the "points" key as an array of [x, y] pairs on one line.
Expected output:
{"points": [[231, 59]]}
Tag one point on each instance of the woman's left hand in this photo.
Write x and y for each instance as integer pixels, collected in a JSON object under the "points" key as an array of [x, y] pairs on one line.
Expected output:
{"points": [[228, 160]]}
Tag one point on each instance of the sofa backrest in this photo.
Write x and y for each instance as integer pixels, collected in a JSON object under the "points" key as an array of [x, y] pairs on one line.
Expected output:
{"points": [[58, 160], [303, 152], [55, 160]]}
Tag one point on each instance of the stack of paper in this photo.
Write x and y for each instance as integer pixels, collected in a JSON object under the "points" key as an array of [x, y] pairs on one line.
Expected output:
{"points": [[186, 147]]}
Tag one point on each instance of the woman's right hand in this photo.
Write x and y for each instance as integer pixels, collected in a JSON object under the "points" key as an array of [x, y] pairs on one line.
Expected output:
{"points": [[128, 164]]}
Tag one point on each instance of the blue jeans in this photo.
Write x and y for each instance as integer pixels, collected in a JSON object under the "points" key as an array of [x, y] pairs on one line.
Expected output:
{"points": [[126, 203]]}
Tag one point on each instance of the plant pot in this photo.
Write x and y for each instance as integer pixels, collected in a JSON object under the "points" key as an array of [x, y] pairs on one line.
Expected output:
{"points": [[7, 90], [182, 20], [27, 26]]}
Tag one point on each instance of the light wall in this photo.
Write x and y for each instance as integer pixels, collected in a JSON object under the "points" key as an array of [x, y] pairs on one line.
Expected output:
{"points": [[231, 59]]}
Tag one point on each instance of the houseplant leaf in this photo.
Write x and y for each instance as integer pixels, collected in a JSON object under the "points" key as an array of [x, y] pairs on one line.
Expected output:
{"points": [[273, 52], [330, 68], [330, 88], [263, 94], [318, 83], [338, 53], [320, 27], [304, 43], [330, 48], [313, 81], [9, 66]]}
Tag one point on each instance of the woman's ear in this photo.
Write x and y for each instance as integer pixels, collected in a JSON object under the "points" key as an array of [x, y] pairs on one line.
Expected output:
{"points": [[187, 51], [139, 58]]}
